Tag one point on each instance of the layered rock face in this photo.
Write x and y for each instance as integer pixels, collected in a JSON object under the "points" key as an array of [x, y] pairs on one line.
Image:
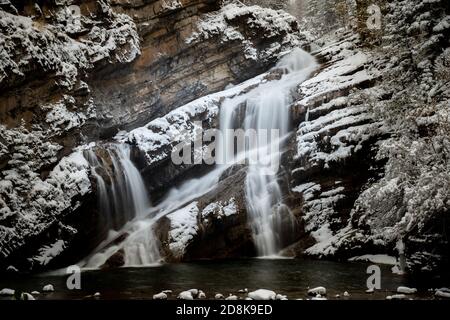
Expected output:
{"points": [[353, 183], [46, 111], [365, 167], [368, 157], [76, 71], [186, 55]]}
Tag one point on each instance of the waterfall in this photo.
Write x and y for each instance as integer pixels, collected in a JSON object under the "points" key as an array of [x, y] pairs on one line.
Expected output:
{"points": [[266, 107], [121, 191], [122, 197], [266, 111]]}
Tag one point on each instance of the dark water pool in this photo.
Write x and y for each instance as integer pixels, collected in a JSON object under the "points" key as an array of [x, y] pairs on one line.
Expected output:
{"points": [[291, 277]]}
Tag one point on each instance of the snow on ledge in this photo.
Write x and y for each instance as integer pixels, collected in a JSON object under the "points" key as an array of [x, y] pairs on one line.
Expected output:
{"points": [[183, 228], [376, 258]]}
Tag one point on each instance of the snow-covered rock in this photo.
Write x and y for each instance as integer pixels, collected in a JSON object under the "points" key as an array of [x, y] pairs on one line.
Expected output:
{"points": [[232, 297], [406, 290], [185, 295], [26, 296], [7, 292], [318, 290], [397, 297], [442, 293], [219, 296], [262, 294], [194, 292], [183, 228], [376, 258], [160, 296], [48, 288], [269, 22]]}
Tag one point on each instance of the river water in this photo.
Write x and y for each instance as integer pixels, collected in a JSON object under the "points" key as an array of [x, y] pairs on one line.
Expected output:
{"points": [[291, 277]]}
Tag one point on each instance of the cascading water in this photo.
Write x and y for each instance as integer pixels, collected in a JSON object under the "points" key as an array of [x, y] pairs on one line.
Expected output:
{"points": [[124, 197], [267, 111], [266, 107]]}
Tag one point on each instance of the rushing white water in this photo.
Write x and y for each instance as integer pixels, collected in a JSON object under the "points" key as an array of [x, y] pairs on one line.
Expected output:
{"points": [[267, 111], [124, 197], [266, 108]]}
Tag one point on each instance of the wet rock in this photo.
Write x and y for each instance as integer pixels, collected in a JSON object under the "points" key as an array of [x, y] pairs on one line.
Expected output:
{"points": [[115, 261]]}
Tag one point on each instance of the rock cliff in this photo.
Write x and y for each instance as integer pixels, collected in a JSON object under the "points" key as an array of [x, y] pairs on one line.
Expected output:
{"points": [[73, 72]]}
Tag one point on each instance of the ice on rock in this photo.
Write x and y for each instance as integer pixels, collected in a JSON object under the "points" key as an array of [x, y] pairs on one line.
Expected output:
{"points": [[262, 294], [346, 294], [232, 297], [35, 293], [318, 290], [218, 296], [201, 295]]}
